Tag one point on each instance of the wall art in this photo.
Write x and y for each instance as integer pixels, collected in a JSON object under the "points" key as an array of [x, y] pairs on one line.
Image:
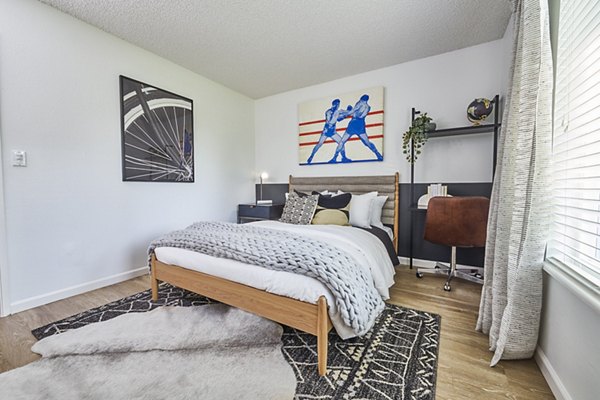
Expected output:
{"points": [[157, 134], [341, 129]]}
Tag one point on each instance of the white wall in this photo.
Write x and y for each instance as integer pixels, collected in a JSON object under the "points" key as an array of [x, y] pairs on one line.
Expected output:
{"points": [[70, 219], [568, 347], [441, 85]]}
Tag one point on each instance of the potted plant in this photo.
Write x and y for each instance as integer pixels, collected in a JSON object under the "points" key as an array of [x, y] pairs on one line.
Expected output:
{"points": [[417, 134]]}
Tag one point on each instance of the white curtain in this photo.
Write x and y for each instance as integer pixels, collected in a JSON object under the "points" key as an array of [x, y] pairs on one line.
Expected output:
{"points": [[520, 210]]}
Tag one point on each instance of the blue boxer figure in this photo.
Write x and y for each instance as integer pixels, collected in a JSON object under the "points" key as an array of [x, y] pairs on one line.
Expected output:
{"points": [[357, 127], [332, 116]]}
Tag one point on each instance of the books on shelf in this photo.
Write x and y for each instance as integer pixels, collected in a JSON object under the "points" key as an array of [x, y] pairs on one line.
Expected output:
{"points": [[433, 190], [437, 189]]}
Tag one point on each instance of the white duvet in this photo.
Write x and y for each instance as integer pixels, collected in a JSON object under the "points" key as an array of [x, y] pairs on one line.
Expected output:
{"points": [[368, 250]]}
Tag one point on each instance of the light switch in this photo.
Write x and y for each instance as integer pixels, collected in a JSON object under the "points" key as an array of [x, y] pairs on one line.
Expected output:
{"points": [[19, 158]]}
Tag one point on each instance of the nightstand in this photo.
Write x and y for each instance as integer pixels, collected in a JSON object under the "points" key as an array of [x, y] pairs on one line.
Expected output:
{"points": [[253, 212]]}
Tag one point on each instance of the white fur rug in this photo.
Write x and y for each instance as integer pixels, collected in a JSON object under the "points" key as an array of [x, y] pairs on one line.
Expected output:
{"points": [[207, 352]]}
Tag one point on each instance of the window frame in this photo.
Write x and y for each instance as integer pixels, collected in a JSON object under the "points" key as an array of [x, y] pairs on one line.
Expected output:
{"points": [[569, 276]]}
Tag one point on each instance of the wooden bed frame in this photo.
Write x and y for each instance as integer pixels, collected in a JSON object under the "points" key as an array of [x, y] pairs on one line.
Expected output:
{"points": [[307, 317]]}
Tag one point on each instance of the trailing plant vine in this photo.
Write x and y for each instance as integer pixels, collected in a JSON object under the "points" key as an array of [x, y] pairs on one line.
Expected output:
{"points": [[417, 133]]}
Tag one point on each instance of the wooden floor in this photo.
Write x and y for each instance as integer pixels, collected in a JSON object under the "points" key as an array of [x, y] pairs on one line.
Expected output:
{"points": [[463, 368]]}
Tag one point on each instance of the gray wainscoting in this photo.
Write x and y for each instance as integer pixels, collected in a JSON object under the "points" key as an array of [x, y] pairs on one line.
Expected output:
{"points": [[421, 249]]}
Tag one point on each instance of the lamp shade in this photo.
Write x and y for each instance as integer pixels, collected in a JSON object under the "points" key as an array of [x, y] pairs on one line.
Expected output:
{"points": [[264, 175]]}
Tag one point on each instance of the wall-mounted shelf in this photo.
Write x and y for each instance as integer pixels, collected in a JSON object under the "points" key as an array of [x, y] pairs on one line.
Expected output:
{"points": [[463, 130], [450, 132]]}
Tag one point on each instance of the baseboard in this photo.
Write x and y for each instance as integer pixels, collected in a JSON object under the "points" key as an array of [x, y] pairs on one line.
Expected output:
{"points": [[40, 300], [425, 263], [558, 389]]}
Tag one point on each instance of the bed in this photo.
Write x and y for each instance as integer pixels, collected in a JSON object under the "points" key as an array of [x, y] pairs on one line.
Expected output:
{"points": [[182, 269]]}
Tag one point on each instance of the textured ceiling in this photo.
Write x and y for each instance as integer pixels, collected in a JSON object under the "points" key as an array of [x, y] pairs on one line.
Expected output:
{"points": [[263, 47]]}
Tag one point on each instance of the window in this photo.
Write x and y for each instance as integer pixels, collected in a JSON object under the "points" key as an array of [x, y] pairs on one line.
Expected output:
{"points": [[575, 241]]}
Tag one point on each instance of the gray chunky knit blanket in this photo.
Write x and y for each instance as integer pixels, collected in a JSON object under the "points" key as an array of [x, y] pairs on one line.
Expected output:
{"points": [[356, 297]]}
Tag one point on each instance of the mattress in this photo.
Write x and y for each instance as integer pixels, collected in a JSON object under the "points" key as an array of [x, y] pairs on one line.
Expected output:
{"points": [[367, 249]]}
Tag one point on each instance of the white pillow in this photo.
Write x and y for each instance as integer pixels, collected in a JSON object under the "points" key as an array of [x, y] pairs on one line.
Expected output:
{"points": [[376, 210], [360, 209]]}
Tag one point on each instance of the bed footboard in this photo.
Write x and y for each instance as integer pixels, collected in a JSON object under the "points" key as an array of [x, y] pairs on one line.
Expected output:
{"points": [[307, 317]]}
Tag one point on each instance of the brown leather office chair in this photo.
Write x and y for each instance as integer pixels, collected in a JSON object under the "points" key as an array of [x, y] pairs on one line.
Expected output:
{"points": [[456, 222]]}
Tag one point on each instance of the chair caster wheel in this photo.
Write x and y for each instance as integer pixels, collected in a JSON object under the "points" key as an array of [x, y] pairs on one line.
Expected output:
{"points": [[447, 287], [419, 275]]}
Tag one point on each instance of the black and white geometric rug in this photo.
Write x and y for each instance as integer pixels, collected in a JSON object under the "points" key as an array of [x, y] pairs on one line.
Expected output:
{"points": [[397, 359]]}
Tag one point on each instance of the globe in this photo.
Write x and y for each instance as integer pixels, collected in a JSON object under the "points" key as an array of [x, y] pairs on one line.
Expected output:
{"points": [[479, 110]]}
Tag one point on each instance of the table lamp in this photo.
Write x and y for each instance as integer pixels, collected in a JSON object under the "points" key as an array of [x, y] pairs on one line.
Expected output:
{"points": [[263, 176]]}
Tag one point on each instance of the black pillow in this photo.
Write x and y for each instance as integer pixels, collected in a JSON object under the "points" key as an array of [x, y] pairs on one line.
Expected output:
{"points": [[338, 202], [302, 194]]}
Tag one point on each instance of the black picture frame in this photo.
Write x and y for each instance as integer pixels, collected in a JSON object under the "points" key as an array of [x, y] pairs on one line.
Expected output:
{"points": [[157, 134]]}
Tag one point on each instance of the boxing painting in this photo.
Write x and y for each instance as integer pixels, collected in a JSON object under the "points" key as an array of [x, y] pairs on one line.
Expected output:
{"points": [[341, 129]]}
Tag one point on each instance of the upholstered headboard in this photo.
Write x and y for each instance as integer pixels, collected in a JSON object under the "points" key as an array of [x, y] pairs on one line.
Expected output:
{"points": [[386, 185]]}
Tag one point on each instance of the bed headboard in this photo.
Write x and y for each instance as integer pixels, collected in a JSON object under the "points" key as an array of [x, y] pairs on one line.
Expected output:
{"points": [[386, 185]]}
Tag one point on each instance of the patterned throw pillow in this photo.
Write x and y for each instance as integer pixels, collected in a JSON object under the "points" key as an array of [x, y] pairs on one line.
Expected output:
{"points": [[299, 210], [333, 210]]}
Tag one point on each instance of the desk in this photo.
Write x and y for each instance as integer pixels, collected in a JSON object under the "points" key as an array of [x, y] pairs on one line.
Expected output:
{"points": [[411, 241]]}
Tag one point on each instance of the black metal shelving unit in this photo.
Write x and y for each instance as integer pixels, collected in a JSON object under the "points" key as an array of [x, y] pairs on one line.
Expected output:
{"points": [[450, 132]]}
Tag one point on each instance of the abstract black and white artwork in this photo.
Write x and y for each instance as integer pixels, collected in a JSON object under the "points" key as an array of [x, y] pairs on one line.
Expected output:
{"points": [[157, 134]]}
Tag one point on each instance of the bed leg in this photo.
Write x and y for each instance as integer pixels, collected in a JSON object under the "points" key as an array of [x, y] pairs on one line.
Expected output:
{"points": [[153, 280], [322, 331]]}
